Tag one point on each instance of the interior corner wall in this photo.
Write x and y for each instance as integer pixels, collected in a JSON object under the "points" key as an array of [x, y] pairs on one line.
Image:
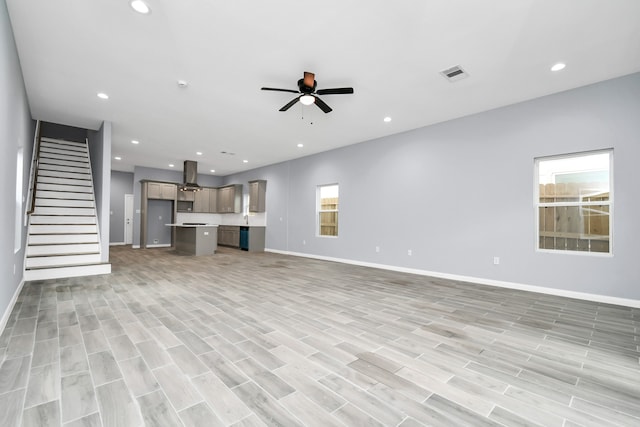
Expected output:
{"points": [[100, 149], [461, 192], [121, 184], [16, 132]]}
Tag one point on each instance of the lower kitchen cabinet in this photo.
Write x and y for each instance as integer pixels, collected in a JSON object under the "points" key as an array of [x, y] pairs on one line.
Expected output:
{"points": [[229, 235], [248, 238]]}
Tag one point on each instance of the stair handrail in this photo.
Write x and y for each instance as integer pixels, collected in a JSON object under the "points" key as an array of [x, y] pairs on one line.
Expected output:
{"points": [[35, 164]]}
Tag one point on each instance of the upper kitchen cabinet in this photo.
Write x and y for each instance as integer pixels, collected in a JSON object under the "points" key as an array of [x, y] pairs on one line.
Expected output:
{"points": [[213, 200], [257, 193], [201, 201], [161, 190], [230, 199], [185, 196]]}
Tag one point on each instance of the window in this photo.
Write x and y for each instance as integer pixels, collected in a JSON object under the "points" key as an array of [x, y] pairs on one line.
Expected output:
{"points": [[327, 207], [574, 202]]}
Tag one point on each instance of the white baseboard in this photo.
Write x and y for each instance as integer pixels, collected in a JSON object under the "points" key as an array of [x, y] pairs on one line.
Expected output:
{"points": [[481, 281], [135, 246], [117, 243], [159, 245], [12, 303]]}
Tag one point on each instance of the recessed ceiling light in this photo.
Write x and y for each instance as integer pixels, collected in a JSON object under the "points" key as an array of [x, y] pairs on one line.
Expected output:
{"points": [[387, 119], [245, 161], [133, 141], [300, 145], [140, 6], [118, 158], [559, 66], [171, 165], [199, 153], [213, 170], [103, 95]]}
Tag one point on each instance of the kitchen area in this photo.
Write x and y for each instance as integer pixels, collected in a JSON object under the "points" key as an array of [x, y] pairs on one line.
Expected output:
{"points": [[199, 218]]}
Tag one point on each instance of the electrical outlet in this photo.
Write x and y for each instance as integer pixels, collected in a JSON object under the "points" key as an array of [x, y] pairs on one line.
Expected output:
{"points": [[304, 242], [155, 241], [496, 260], [377, 248], [409, 252]]}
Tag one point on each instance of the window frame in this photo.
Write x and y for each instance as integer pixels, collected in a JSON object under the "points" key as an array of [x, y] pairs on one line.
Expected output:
{"points": [[537, 204], [319, 210]]}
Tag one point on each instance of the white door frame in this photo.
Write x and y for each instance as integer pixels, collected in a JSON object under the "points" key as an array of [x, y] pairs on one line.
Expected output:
{"points": [[128, 219]]}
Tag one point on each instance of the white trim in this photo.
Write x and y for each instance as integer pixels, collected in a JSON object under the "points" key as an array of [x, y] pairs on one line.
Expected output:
{"points": [[117, 243], [159, 245], [135, 246], [12, 303], [490, 282]]}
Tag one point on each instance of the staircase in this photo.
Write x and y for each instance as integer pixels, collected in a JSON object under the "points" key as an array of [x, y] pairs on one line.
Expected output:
{"points": [[63, 237]]}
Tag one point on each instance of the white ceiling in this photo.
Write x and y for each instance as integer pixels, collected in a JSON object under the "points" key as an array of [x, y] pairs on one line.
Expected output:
{"points": [[391, 53]]}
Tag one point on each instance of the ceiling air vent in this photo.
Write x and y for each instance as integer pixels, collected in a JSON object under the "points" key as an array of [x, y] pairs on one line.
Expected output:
{"points": [[454, 74]]}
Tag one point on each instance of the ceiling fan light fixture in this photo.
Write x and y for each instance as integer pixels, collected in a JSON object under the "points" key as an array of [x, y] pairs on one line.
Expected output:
{"points": [[307, 99]]}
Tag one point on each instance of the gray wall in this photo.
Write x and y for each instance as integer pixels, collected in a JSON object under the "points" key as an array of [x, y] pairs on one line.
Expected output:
{"points": [[16, 131], [100, 148], [121, 184], [158, 214], [141, 173], [461, 192]]}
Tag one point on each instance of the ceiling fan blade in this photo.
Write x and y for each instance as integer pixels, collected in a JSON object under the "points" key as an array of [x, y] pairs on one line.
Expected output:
{"points": [[279, 90], [290, 104], [335, 91], [309, 78], [322, 105]]}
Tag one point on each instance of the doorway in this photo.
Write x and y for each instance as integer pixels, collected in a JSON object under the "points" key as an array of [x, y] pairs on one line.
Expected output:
{"points": [[128, 219]]}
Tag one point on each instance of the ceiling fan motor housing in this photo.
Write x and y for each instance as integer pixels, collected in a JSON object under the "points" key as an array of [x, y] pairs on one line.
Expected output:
{"points": [[306, 89]]}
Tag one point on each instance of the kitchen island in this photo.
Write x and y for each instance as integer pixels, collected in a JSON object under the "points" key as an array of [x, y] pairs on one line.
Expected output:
{"points": [[196, 238]]}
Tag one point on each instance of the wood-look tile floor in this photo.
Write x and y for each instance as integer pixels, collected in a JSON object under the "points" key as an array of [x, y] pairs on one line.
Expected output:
{"points": [[249, 339]]}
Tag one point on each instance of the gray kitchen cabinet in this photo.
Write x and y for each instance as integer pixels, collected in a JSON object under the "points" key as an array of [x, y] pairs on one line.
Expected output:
{"points": [[257, 193], [213, 200], [185, 196], [161, 190], [230, 199], [229, 235], [201, 201]]}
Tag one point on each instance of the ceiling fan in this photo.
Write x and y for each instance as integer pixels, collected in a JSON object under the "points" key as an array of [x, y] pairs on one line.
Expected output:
{"points": [[309, 95]]}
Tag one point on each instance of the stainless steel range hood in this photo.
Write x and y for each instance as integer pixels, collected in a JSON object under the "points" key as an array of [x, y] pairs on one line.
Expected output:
{"points": [[190, 176]]}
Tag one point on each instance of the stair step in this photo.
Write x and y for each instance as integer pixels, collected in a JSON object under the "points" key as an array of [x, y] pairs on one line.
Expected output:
{"points": [[61, 272], [63, 142], [63, 147], [61, 260], [51, 239], [65, 188], [62, 229], [45, 160], [50, 148], [68, 157], [47, 194], [65, 181], [61, 219], [68, 211], [65, 249], [60, 174], [65, 202], [60, 168]]}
